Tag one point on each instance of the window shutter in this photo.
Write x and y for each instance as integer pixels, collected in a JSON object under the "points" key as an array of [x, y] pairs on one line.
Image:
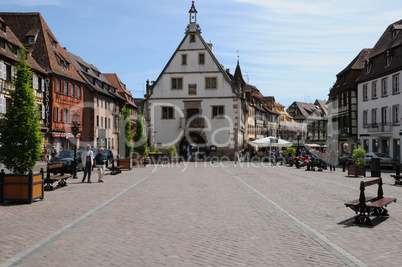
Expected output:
{"points": [[4, 106], [13, 73], [35, 81], [1, 88], [1, 71], [43, 84], [43, 112]]}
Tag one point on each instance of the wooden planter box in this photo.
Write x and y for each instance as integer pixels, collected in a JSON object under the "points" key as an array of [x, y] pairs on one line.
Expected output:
{"points": [[175, 160], [356, 171], [126, 163], [23, 188], [146, 160]]}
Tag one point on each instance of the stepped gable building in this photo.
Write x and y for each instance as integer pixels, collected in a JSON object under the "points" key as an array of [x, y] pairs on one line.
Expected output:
{"points": [[314, 118], [121, 89], [195, 101], [102, 106], [64, 99], [379, 95], [342, 104], [9, 56]]}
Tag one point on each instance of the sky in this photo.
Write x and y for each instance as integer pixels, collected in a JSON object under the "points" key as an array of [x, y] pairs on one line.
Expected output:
{"points": [[289, 49]]}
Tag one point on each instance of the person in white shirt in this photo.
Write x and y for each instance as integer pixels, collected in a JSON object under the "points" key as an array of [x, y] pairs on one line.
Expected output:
{"points": [[87, 158]]}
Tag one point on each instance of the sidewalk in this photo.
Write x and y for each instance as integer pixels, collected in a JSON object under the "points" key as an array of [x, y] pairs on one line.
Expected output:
{"points": [[200, 214]]}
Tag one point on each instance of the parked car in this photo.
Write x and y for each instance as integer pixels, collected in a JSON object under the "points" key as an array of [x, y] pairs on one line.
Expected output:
{"points": [[347, 158], [385, 160], [66, 157]]}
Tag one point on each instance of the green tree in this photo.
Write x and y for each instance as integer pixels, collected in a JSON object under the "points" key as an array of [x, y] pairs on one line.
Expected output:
{"points": [[128, 133], [140, 138], [20, 135]]}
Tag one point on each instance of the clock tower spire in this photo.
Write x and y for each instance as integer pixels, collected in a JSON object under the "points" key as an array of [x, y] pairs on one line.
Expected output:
{"points": [[193, 14]]}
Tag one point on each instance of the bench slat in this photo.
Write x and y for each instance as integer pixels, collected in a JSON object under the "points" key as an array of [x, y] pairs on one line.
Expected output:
{"points": [[357, 201], [375, 181], [381, 202]]}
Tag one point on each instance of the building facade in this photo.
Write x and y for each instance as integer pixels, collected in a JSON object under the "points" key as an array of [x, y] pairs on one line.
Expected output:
{"points": [[379, 96], [102, 106], [64, 98], [342, 100], [195, 101], [9, 56]]}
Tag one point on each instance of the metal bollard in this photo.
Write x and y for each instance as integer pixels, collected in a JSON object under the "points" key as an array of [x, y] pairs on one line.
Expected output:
{"points": [[343, 166]]}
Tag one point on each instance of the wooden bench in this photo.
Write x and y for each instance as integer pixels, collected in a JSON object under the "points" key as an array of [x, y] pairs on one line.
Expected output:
{"points": [[53, 176], [115, 169], [367, 205]]}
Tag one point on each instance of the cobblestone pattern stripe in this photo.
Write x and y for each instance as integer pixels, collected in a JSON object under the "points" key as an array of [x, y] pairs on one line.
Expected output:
{"points": [[337, 251], [20, 257]]}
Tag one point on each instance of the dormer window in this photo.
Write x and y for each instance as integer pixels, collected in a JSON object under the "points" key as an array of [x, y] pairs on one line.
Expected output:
{"points": [[31, 40], [388, 59], [54, 43], [368, 66]]}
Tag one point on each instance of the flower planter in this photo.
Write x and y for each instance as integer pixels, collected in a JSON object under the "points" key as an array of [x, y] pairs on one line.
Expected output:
{"points": [[356, 171], [126, 163], [23, 188], [175, 159]]}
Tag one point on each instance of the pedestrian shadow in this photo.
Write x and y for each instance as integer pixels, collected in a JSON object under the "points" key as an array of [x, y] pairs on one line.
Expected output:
{"points": [[350, 222]]}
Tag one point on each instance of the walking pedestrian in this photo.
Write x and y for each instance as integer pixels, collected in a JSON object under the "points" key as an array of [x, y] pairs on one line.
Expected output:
{"points": [[46, 153], [53, 152], [100, 162], [87, 161], [332, 160]]}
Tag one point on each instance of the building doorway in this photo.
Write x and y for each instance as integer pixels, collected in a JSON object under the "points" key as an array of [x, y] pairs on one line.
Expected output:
{"points": [[194, 138]]}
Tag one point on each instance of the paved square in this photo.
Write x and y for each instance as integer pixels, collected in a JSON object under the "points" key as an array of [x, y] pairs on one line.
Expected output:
{"points": [[202, 214]]}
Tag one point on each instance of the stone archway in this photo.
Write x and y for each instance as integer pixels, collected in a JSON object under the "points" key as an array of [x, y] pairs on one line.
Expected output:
{"points": [[194, 138]]}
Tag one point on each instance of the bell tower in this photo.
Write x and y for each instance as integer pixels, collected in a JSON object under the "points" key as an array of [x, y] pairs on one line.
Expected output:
{"points": [[193, 14]]}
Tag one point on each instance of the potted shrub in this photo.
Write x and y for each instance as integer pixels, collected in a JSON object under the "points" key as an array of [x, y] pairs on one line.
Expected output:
{"points": [[20, 140], [289, 152], [358, 164], [172, 152]]}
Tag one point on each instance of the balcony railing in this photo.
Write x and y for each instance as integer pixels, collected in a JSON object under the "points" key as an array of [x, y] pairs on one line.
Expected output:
{"points": [[380, 127], [192, 123]]}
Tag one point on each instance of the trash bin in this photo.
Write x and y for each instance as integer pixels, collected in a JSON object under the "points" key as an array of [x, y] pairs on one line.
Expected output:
{"points": [[375, 167]]}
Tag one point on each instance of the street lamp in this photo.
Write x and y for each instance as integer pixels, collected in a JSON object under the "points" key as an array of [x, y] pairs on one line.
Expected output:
{"points": [[75, 130], [298, 142]]}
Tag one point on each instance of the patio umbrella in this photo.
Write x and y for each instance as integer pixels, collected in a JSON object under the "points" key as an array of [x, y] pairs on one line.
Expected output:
{"points": [[270, 141]]}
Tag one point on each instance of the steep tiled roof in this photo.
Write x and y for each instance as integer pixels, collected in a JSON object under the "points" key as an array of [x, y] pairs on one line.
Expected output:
{"points": [[309, 111], [93, 77], [346, 79], [115, 81], [391, 44], [47, 52], [10, 37]]}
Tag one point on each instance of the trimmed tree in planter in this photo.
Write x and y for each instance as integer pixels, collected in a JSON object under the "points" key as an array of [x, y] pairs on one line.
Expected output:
{"points": [[128, 142], [20, 138], [358, 165], [172, 151], [140, 138]]}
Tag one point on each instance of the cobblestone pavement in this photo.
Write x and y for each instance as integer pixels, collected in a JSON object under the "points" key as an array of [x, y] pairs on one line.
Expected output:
{"points": [[202, 214]]}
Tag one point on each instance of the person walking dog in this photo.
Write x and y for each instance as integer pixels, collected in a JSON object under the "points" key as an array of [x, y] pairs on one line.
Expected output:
{"points": [[100, 162], [87, 160]]}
